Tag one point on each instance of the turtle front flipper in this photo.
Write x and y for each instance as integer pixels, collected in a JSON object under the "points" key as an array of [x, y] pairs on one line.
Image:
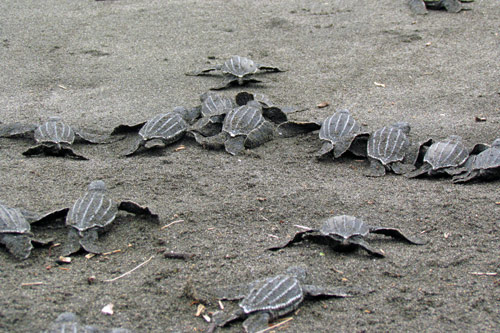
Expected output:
{"points": [[326, 148], [359, 145], [342, 146], [466, 177], [364, 245], [200, 72], [211, 142], [299, 236], [94, 137], [256, 322], [289, 129], [67, 152], [425, 168], [16, 129], [134, 147], [72, 243], [221, 319], [19, 245], [134, 208], [88, 241], [416, 152], [228, 82], [417, 7], [268, 68], [235, 145], [315, 291], [33, 151], [396, 233], [376, 169], [260, 135]]}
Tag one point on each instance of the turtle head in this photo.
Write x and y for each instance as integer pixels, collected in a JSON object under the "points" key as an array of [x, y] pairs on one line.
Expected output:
{"points": [[255, 104], [97, 185], [496, 143], [188, 114], [404, 126], [300, 272]]}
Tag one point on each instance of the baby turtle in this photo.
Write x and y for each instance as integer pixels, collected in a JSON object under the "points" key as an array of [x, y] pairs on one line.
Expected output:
{"points": [[346, 233], [236, 70], [161, 130], [54, 137], [91, 213], [15, 229], [452, 6], [388, 149], [482, 165], [214, 108], [244, 126], [69, 322], [443, 157], [267, 299]]}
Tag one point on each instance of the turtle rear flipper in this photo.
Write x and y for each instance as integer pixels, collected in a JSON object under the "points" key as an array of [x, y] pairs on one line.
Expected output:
{"points": [[134, 208], [72, 243], [293, 128], [235, 145], [268, 68], [376, 169], [19, 245], [315, 291], [402, 168], [123, 129], [466, 177], [364, 245], [396, 233], [417, 7], [88, 241], [260, 135], [256, 322], [200, 72], [326, 148], [92, 137], [212, 142], [425, 168], [16, 129]]}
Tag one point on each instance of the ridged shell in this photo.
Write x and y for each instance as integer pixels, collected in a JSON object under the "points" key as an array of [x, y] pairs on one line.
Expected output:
{"points": [[54, 130], [488, 159], [339, 126], [12, 221], [282, 292], [239, 66], [242, 120], [168, 126], [215, 105], [448, 153], [388, 144], [94, 209], [345, 226]]}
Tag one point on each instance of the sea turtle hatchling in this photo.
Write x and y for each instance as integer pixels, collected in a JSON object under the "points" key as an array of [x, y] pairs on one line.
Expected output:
{"points": [[213, 109], [443, 157], [482, 165], [452, 6], [70, 323], [388, 149], [15, 229], [346, 233], [267, 299], [161, 130], [244, 126], [236, 70], [54, 137], [91, 213]]}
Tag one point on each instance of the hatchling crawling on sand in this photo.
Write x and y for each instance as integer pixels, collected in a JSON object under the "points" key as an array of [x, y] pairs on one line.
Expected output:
{"points": [[161, 130], [236, 70], [389, 149], [452, 6], [91, 213], [213, 109], [69, 322], [15, 229], [346, 233], [483, 163], [443, 157], [54, 137], [244, 126], [267, 299]]}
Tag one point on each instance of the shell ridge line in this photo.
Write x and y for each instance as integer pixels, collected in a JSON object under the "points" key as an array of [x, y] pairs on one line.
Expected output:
{"points": [[77, 211], [96, 210], [257, 291], [454, 151], [380, 133], [170, 127], [280, 283], [90, 200], [152, 122], [112, 217], [440, 147], [286, 291], [163, 124], [387, 141], [346, 123]]}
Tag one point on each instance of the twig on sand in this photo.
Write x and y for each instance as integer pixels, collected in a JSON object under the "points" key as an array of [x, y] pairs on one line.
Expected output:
{"points": [[133, 269], [484, 273], [301, 227], [168, 225], [276, 325], [27, 284]]}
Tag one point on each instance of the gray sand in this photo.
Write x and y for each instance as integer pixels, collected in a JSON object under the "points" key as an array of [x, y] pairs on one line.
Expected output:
{"points": [[103, 63]]}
